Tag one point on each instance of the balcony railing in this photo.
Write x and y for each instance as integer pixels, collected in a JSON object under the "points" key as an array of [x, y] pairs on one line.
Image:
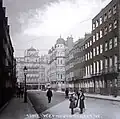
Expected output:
{"points": [[112, 69], [106, 70]]}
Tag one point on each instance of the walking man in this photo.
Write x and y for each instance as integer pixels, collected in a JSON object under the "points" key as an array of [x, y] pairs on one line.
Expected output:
{"points": [[81, 102], [49, 95], [66, 93]]}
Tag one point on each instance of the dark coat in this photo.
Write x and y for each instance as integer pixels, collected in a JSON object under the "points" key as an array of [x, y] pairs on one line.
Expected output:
{"points": [[72, 102], [81, 101], [49, 93], [78, 94]]}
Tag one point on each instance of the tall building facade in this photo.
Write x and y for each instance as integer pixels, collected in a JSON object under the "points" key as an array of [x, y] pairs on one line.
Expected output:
{"points": [[75, 64], [106, 37], [56, 71], [7, 61], [97, 57]]}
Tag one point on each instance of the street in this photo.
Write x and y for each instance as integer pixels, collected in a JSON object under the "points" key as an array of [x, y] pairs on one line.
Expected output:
{"points": [[59, 107]]}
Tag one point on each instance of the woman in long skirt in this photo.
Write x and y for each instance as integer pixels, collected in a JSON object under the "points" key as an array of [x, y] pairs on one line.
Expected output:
{"points": [[81, 102]]}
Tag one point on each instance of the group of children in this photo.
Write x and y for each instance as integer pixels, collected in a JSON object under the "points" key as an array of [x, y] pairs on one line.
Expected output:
{"points": [[77, 100]]}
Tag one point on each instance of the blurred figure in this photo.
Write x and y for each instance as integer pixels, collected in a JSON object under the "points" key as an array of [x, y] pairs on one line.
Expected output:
{"points": [[72, 103], [18, 92], [66, 93], [81, 101], [21, 92], [49, 95]]}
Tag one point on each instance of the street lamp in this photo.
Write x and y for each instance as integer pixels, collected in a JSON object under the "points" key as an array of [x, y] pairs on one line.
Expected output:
{"points": [[25, 91]]}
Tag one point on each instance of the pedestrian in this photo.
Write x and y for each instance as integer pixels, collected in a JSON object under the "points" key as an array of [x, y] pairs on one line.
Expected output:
{"points": [[21, 92], [66, 93], [77, 94], [81, 101], [49, 95], [18, 92], [72, 103]]}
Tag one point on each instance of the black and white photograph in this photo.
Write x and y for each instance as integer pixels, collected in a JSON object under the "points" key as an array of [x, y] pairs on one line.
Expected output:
{"points": [[59, 59]]}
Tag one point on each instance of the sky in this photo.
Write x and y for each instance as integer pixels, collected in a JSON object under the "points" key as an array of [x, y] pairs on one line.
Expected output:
{"points": [[39, 23]]}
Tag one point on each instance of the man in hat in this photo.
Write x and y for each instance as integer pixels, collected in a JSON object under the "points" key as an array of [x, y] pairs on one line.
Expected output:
{"points": [[49, 95]]}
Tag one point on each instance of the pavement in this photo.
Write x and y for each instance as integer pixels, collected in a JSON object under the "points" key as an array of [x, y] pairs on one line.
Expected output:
{"points": [[97, 107], [17, 109], [98, 96], [94, 110], [59, 107]]}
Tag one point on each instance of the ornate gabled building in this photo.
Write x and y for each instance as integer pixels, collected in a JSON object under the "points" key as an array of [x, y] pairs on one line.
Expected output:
{"points": [[36, 69], [56, 71]]}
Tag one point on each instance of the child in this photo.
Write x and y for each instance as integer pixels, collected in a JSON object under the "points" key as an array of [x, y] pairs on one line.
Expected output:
{"points": [[72, 103]]}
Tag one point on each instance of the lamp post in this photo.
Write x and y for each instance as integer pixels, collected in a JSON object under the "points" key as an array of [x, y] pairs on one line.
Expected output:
{"points": [[25, 92]]}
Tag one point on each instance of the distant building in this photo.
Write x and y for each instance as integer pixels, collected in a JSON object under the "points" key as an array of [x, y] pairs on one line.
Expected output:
{"points": [[43, 71], [36, 69], [56, 71]]}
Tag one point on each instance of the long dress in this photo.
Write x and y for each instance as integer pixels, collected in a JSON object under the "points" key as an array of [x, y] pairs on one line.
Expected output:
{"points": [[81, 102]]}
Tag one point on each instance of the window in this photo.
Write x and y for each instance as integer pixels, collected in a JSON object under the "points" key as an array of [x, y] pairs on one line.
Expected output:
{"points": [[106, 46], [109, 13], [91, 69], [86, 57], [90, 55], [97, 36], [101, 48], [101, 34], [115, 41], [58, 61], [110, 27], [94, 68], [105, 31], [115, 61], [97, 23], [61, 61], [86, 46], [105, 17], [88, 70], [90, 43], [93, 51], [101, 65], [110, 62], [110, 44], [97, 67], [115, 24], [93, 26], [97, 50], [100, 20], [106, 63], [61, 76], [114, 9], [93, 38]]}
